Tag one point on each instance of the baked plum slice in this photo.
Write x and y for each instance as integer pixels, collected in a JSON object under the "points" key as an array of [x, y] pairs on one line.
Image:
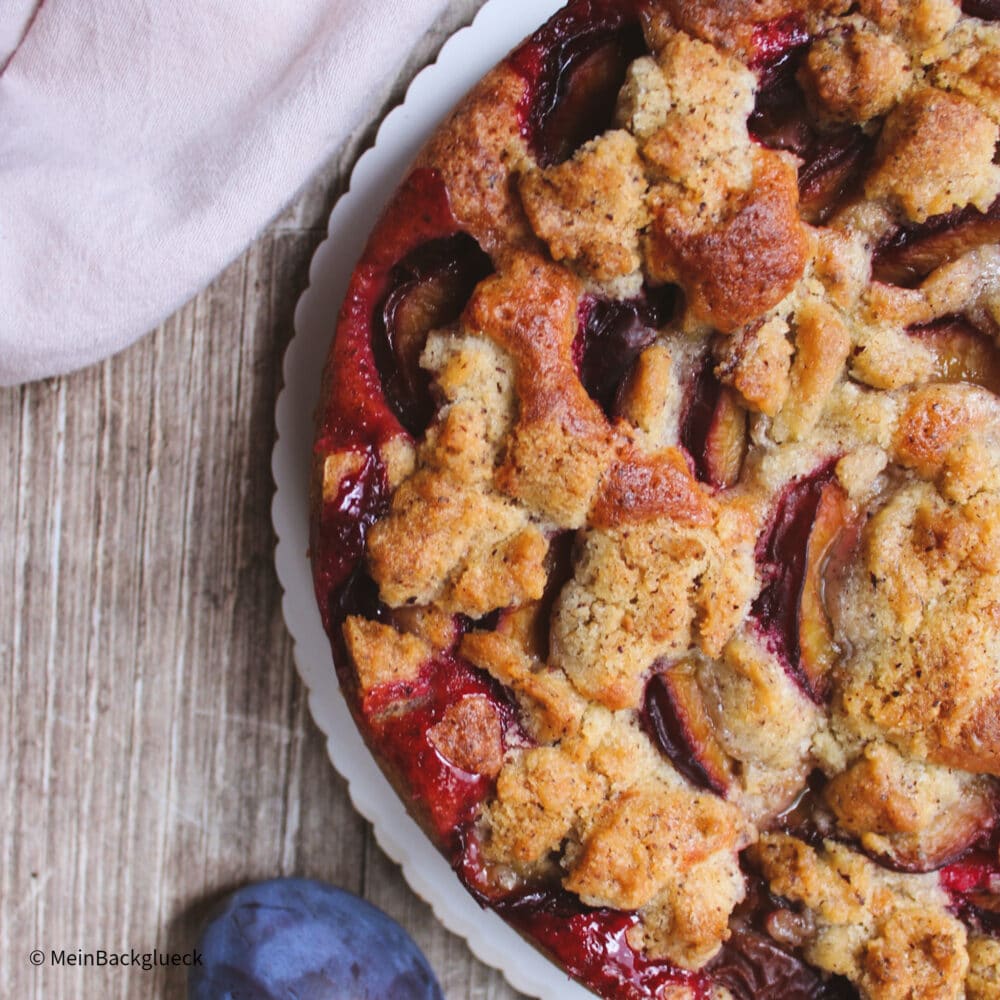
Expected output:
{"points": [[988, 10], [759, 959], [833, 159], [832, 535], [611, 334], [338, 543], [714, 429], [676, 717], [428, 289], [811, 527], [832, 167], [752, 965], [961, 352], [725, 441], [906, 256], [575, 65]]}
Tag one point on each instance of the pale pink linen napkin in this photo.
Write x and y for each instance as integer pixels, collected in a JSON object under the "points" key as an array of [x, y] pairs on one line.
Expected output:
{"points": [[143, 144]]}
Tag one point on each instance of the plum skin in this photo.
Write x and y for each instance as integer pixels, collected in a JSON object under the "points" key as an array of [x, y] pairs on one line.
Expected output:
{"points": [[297, 938]]}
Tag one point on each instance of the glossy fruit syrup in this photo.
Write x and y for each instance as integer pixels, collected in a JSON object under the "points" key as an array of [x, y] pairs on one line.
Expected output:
{"points": [[449, 796]]}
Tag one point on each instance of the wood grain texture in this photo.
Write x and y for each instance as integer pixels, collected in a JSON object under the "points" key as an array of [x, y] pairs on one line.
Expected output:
{"points": [[157, 747]]}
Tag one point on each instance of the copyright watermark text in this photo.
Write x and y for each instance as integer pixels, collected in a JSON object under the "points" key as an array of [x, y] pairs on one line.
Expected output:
{"points": [[101, 958]]}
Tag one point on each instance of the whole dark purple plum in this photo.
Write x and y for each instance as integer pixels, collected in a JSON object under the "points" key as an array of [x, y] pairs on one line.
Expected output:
{"points": [[296, 939]]}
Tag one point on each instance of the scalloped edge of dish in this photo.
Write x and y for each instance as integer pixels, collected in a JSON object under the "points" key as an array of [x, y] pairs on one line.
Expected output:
{"points": [[464, 58]]}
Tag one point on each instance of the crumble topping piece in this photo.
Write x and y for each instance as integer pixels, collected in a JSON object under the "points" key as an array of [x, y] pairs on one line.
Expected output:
{"points": [[383, 655], [974, 70], [560, 444], [625, 831], [859, 472], [689, 110], [428, 623], [917, 813], [756, 362], [481, 551], [747, 263], [654, 397], [920, 23], [672, 855], [339, 467], [664, 831], [689, 921], [855, 74], [983, 980], [919, 612], [640, 487], [541, 797], [730, 26], [935, 153], [547, 794], [553, 707], [589, 210], [841, 265], [859, 416], [887, 357], [763, 718], [470, 735], [890, 934], [916, 954], [729, 582], [477, 151], [399, 458], [646, 592], [936, 421], [822, 344], [474, 370]]}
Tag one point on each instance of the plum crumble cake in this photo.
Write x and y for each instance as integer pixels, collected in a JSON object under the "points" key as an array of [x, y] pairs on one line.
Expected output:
{"points": [[656, 504]]}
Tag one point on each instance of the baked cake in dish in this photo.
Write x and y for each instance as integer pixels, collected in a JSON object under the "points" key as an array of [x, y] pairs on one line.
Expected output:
{"points": [[656, 502]]}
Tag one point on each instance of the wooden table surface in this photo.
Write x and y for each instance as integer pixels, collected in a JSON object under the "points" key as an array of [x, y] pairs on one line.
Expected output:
{"points": [[157, 747]]}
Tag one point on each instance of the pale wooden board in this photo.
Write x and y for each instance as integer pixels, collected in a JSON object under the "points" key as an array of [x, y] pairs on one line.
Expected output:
{"points": [[157, 748]]}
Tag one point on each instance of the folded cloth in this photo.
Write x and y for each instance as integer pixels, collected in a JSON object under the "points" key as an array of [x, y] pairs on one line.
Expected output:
{"points": [[144, 143]]}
